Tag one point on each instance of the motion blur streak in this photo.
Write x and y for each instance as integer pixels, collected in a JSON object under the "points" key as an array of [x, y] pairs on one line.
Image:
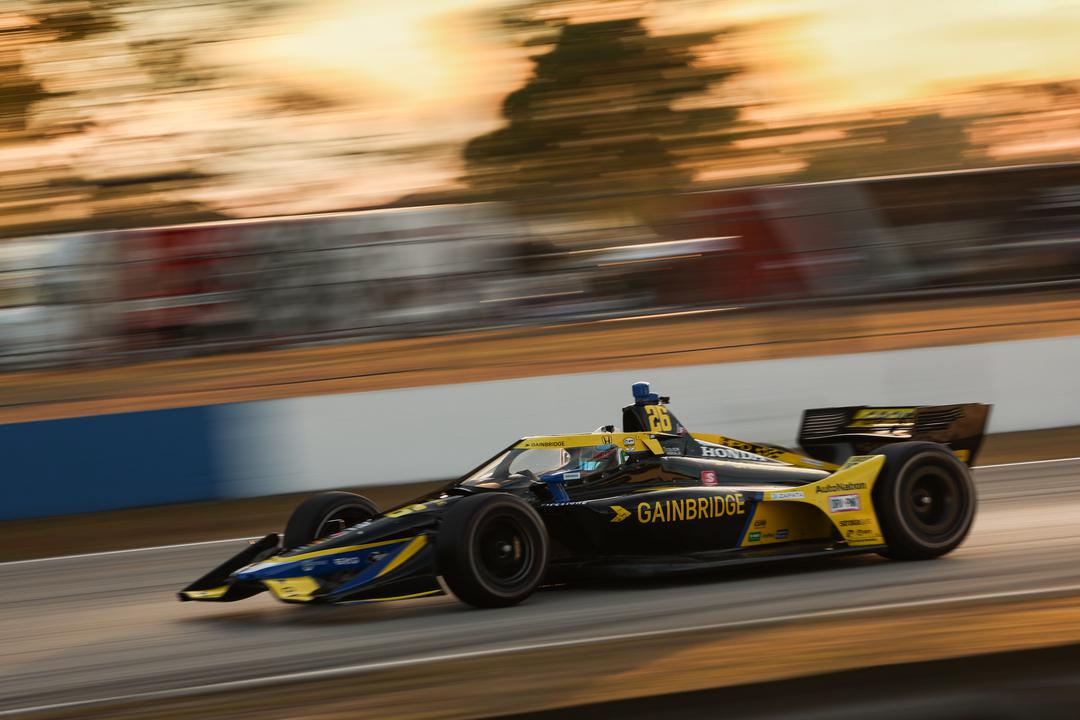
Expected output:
{"points": [[165, 649], [60, 558], [187, 177]]}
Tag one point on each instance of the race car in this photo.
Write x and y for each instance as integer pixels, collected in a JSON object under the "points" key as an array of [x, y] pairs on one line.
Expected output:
{"points": [[651, 498]]}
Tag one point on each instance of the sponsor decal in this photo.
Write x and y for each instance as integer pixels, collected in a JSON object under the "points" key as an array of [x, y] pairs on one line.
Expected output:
{"points": [[853, 523], [760, 523], [701, 508], [881, 417], [621, 513], [347, 561], [756, 448], [607, 440], [548, 443], [572, 476], [754, 536], [628, 442], [839, 487], [719, 451], [708, 478], [789, 495], [855, 460], [885, 413], [416, 507], [782, 534], [844, 503], [672, 450], [408, 509]]}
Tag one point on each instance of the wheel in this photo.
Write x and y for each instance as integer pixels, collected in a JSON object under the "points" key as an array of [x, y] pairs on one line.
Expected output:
{"points": [[492, 550], [925, 500], [324, 514]]}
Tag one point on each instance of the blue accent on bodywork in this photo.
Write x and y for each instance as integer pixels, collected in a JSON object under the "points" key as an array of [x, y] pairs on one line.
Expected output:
{"points": [[106, 462], [642, 396], [324, 565], [372, 572], [754, 499], [556, 485]]}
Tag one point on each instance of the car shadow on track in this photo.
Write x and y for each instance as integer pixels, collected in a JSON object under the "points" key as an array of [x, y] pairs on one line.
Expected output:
{"points": [[731, 574], [270, 613]]}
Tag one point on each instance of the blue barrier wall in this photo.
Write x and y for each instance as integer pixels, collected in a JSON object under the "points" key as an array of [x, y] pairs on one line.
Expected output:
{"points": [[56, 467]]}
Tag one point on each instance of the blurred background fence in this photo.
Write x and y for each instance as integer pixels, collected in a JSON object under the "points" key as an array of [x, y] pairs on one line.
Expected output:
{"points": [[118, 296]]}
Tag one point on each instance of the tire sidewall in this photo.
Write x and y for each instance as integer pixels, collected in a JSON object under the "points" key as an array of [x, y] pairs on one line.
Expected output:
{"points": [[904, 539], [309, 517], [459, 553]]}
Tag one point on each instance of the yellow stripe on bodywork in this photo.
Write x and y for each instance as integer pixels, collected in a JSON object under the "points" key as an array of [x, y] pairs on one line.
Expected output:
{"points": [[297, 588], [437, 591], [330, 551], [211, 594], [407, 552], [641, 442], [856, 477]]}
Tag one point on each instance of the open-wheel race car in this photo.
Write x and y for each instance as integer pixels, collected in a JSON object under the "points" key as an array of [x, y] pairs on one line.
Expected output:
{"points": [[652, 498]]}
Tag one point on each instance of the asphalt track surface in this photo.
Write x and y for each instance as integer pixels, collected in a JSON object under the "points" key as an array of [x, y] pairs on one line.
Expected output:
{"points": [[108, 625]]}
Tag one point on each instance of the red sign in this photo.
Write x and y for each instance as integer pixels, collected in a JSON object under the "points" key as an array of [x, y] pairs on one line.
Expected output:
{"points": [[708, 477]]}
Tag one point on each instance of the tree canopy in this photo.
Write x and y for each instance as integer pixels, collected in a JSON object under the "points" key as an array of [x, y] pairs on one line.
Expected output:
{"points": [[608, 108], [917, 143]]}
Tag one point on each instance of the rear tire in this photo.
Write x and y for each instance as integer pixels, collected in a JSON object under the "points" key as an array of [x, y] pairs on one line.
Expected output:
{"points": [[324, 514], [925, 500], [492, 550]]}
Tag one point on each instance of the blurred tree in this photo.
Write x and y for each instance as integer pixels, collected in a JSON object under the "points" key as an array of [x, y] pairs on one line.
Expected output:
{"points": [[18, 90], [98, 89], [609, 109], [919, 143]]}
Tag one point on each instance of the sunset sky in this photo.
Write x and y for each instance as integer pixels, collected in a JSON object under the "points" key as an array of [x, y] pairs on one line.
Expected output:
{"points": [[822, 54], [428, 75]]}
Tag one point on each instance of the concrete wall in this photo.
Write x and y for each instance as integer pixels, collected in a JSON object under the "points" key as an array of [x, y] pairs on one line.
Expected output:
{"points": [[425, 433]]}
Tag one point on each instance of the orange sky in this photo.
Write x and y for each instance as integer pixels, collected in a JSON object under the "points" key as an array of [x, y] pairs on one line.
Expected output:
{"points": [[432, 73], [419, 55]]}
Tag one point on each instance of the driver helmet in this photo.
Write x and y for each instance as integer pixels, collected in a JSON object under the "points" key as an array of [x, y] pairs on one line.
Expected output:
{"points": [[594, 459]]}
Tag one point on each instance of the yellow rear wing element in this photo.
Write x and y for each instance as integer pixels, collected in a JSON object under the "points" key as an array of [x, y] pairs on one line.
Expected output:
{"points": [[631, 442], [845, 497]]}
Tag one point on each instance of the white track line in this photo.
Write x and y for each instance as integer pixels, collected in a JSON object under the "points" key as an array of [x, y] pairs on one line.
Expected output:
{"points": [[326, 673], [123, 552], [1028, 462], [244, 539]]}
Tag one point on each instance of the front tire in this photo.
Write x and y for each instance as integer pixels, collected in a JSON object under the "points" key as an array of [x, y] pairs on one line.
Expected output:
{"points": [[492, 550], [324, 514], [925, 500]]}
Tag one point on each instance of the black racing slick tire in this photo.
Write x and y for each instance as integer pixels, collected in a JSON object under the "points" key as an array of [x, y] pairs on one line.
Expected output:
{"points": [[492, 550], [925, 500], [324, 514]]}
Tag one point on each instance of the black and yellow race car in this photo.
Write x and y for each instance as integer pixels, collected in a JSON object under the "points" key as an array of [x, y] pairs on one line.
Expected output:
{"points": [[652, 498]]}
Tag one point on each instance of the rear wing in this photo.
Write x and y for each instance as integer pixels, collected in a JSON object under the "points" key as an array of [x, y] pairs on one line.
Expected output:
{"points": [[835, 434]]}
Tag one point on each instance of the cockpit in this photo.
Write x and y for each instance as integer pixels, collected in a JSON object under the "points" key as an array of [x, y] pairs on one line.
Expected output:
{"points": [[523, 466]]}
